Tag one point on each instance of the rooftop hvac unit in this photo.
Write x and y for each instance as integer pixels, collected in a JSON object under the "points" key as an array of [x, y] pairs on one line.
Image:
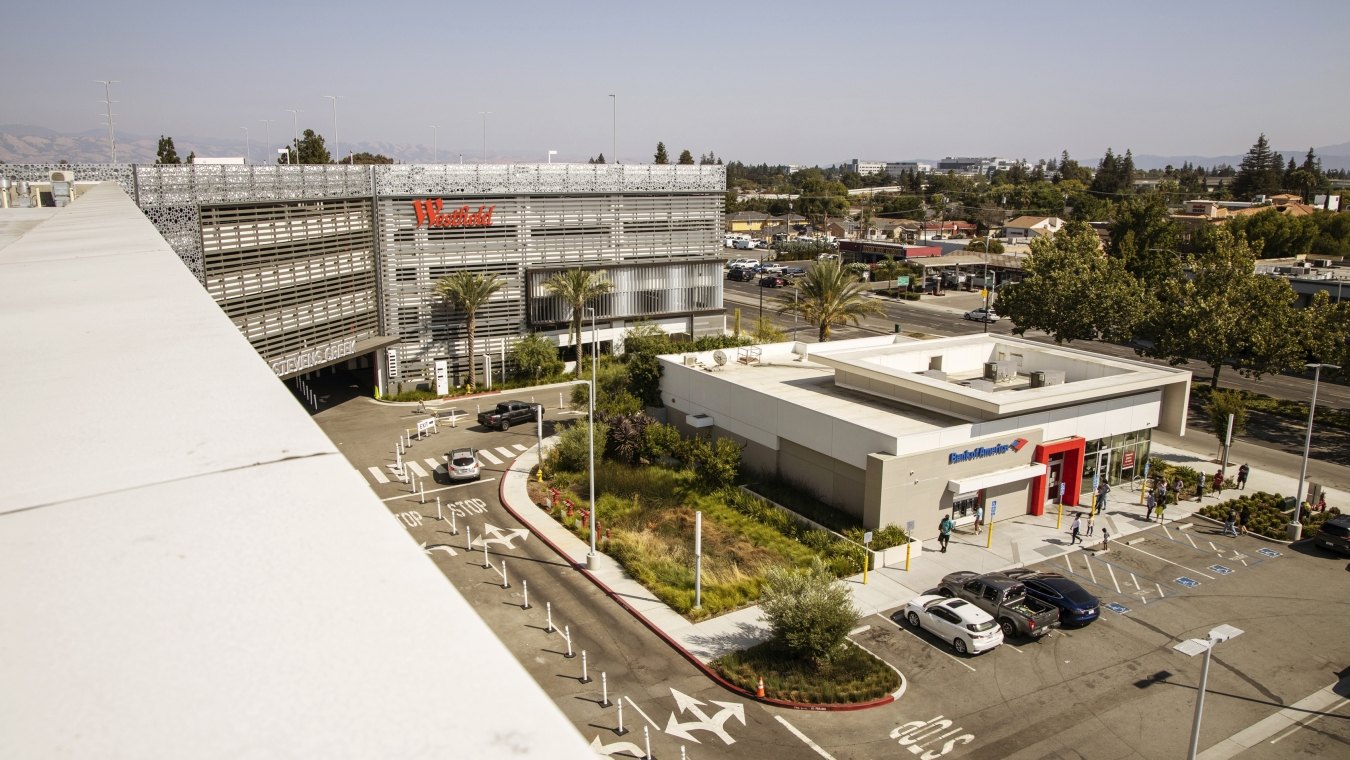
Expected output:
{"points": [[62, 175], [1038, 379], [1000, 371], [990, 370], [936, 374], [1053, 377]]}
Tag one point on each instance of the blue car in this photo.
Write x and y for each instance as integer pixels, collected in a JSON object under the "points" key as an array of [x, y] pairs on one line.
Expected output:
{"points": [[1076, 606]]}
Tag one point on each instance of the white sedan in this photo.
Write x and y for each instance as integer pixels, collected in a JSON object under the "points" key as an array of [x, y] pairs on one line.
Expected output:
{"points": [[982, 315], [968, 628]]}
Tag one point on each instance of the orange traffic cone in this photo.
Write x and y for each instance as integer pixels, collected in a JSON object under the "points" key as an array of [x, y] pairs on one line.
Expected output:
{"points": [[759, 690]]}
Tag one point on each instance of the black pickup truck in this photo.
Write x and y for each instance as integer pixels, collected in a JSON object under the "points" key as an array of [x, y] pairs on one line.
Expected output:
{"points": [[508, 413], [1006, 599]]}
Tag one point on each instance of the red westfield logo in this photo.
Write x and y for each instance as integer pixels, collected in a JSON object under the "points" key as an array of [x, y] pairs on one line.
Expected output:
{"points": [[432, 214]]}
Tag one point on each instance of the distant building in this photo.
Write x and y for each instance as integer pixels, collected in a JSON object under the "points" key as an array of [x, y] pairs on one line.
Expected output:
{"points": [[898, 168], [859, 166], [1027, 227]]}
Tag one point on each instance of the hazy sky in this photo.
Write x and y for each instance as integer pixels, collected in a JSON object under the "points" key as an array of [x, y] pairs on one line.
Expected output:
{"points": [[782, 82]]}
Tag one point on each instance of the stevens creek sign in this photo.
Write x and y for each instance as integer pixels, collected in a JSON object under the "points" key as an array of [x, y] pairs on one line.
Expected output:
{"points": [[980, 452]]}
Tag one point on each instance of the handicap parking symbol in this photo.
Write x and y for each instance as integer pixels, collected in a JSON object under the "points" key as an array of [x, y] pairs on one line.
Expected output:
{"points": [[1119, 609], [1188, 582], [1220, 569], [1268, 552]]}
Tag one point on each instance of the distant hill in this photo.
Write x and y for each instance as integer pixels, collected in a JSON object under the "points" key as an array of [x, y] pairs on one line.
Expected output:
{"points": [[1333, 157]]}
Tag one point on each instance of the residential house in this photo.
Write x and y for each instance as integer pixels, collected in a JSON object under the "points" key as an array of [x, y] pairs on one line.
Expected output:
{"points": [[747, 221], [1027, 227]]}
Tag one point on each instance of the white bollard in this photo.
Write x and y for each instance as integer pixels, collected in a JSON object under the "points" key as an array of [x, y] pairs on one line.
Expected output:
{"points": [[486, 562], [505, 582], [567, 634], [454, 529], [468, 538], [560, 403], [422, 491], [604, 689], [454, 419], [682, 755], [525, 586], [647, 738], [548, 610], [621, 730], [439, 516], [585, 674]]}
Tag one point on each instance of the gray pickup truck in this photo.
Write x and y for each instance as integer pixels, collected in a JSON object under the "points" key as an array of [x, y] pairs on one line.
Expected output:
{"points": [[507, 413], [1006, 599]]}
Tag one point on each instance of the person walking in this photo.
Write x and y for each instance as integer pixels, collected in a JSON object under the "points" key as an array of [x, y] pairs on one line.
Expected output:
{"points": [[1102, 490], [979, 517], [1228, 524], [1242, 476], [1151, 505], [1243, 517], [1162, 510], [1200, 488], [945, 532], [1322, 503], [1162, 490], [1218, 482], [1091, 521], [1177, 486], [1074, 528]]}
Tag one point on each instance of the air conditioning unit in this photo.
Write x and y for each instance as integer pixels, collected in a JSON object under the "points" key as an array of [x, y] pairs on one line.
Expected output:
{"points": [[1038, 379], [1001, 371], [62, 175], [990, 370], [1054, 376]]}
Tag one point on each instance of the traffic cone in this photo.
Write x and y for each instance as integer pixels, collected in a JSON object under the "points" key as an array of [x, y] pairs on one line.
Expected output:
{"points": [[759, 690]]}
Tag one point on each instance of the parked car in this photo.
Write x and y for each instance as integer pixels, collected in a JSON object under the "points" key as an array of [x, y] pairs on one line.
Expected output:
{"points": [[741, 274], [827, 256], [462, 464], [772, 268], [508, 413], [1076, 606], [1006, 599], [793, 272], [737, 263], [773, 281], [970, 629], [982, 314], [1334, 534]]}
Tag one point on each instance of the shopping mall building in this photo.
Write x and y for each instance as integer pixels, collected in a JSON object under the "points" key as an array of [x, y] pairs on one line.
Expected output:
{"points": [[335, 266], [898, 431]]}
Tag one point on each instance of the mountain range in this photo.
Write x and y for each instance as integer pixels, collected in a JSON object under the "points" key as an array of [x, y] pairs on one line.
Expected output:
{"points": [[24, 144]]}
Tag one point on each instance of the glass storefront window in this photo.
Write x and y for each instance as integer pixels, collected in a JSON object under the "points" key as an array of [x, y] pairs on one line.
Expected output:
{"points": [[1119, 458], [964, 504]]}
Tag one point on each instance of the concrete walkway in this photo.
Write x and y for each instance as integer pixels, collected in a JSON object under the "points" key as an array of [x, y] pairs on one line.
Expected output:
{"points": [[1015, 541]]}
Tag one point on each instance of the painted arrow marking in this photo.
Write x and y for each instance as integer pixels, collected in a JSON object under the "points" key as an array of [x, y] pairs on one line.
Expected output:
{"points": [[615, 748], [505, 538], [714, 724], [439, 548]]}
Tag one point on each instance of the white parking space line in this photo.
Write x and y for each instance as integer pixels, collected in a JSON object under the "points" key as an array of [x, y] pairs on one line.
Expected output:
{"points": [[1068, 563], [489, 456], [1188, 538], [1087, 562], [1160, 591], [416, 468], [1136, 582], [1215, 548], [1113, 578], [518, 447], [509, 454], [1168, 532], [1170, 562], [805, 739], [643, 714], [379, 476], [921, 640], [433, 463], [1010, 646]]}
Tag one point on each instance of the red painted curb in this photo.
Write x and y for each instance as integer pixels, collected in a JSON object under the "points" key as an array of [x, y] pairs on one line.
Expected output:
{"points": [[672, 643]]}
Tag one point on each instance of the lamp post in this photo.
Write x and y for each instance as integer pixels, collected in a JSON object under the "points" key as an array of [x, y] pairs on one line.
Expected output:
{"points": [[247, 149], [337, 145], [435, 143], [614, 128], [295, 128], [590, 438], [108, 103], [1192, 647], [484, 114], [267, 134], [551, 154], [1295, 528], [987, 290]]}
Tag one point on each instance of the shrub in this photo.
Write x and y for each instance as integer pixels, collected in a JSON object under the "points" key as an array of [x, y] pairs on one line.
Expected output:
{"points": [[415, 395], [809, 612], [572, 451], [852, 675]]}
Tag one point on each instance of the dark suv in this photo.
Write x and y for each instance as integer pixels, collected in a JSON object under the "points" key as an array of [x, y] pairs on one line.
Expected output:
{"points": [[1335, 534], [741, 274]]}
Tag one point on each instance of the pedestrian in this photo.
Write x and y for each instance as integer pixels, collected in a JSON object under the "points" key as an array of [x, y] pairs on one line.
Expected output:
{"points": [[1176, 488], [1218, 482], [979, 517], [1091, 521], [1322, 503], [1106, 538], [1162, 491], [1162, 510], [1151, 505], [1074, 528], [1242, 476], [1243, 518], [1228, 524], [1102, 490], [945, 532], [1200, 488]]}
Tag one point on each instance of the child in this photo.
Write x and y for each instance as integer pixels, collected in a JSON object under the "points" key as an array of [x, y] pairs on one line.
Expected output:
{"points": [[1091, 520]]}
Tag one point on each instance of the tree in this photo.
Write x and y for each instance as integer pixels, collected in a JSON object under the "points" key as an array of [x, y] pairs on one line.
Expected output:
{"points": [[1326, 331], [808, 611], [764, 331], [192, 157], [536, 357], [831, 296], [819, 197], [1224, 312], [1221, 404], [1073, 291], [977, 246], [661, 156], [310, 150], [366, 158], [1143, 238], [598, 160], [686, 158], [468, 292], [578, 287], [1260, 172], [1070, 170], [1274, 235], [165, 153]]}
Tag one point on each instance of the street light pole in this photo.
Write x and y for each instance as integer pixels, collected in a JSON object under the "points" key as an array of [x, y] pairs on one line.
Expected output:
{"points": [[484, 114], [614, 128], [987, 290], [1295, 528], [435, 143], [337, 144], [590, 421], [267, 134], [108, 102], [1192, 647], [295, 128], [247, 148]]}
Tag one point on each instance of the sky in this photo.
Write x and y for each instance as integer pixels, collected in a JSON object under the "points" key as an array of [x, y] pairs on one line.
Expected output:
{"points": [[778, 82]]}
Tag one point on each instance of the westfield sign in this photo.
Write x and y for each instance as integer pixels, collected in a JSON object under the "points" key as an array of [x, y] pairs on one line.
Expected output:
{"points": [[432, 213]]}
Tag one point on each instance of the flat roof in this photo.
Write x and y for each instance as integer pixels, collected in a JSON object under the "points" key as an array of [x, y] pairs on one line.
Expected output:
{"points": [[188, 566]]}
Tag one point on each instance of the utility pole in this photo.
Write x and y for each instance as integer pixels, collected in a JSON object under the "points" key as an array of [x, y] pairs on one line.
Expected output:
{"points": [[295, 127], [614, 128], [267, 135], [337, 146], [108, 103], [484, 114]]}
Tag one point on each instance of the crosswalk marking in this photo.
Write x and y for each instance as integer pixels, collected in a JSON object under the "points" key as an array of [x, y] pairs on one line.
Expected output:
{"points": [[379, 476], [518, 447], [509, 454], [485, 454], [416, 468], [432, 463]]}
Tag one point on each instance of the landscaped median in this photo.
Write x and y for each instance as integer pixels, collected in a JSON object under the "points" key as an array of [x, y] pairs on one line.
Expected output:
{"points": [[1268, 515], [751, 550]]}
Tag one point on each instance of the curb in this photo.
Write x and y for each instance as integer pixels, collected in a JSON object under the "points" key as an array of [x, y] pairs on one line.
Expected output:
{"points": [[673, 644]]}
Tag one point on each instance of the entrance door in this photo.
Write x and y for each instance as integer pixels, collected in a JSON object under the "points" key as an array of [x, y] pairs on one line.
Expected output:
{"points": [[1054, 477]]}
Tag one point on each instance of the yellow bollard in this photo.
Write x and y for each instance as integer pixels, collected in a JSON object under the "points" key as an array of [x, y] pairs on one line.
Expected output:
{"points": [[988, 542], [867, 560], [1060, 517], [908, 545]]}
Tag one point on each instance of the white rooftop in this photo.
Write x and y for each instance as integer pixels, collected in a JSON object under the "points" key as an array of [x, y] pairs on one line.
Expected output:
{"points": [[188, 566]]}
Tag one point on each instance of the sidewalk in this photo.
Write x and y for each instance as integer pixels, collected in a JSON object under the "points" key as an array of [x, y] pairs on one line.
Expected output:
{"points": [[1017, 541]]}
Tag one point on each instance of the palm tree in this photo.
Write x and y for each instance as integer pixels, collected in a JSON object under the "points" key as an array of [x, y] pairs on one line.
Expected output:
{"points": [[578, 287], [831, 296], [467, 292]]}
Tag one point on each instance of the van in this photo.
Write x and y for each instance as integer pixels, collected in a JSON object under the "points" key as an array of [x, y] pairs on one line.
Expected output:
{"points": [[743, 243], [1335, 534]]}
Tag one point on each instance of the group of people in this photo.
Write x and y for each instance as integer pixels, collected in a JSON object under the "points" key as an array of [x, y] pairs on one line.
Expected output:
{"points": [[1161, 493], [1076, 527]]}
